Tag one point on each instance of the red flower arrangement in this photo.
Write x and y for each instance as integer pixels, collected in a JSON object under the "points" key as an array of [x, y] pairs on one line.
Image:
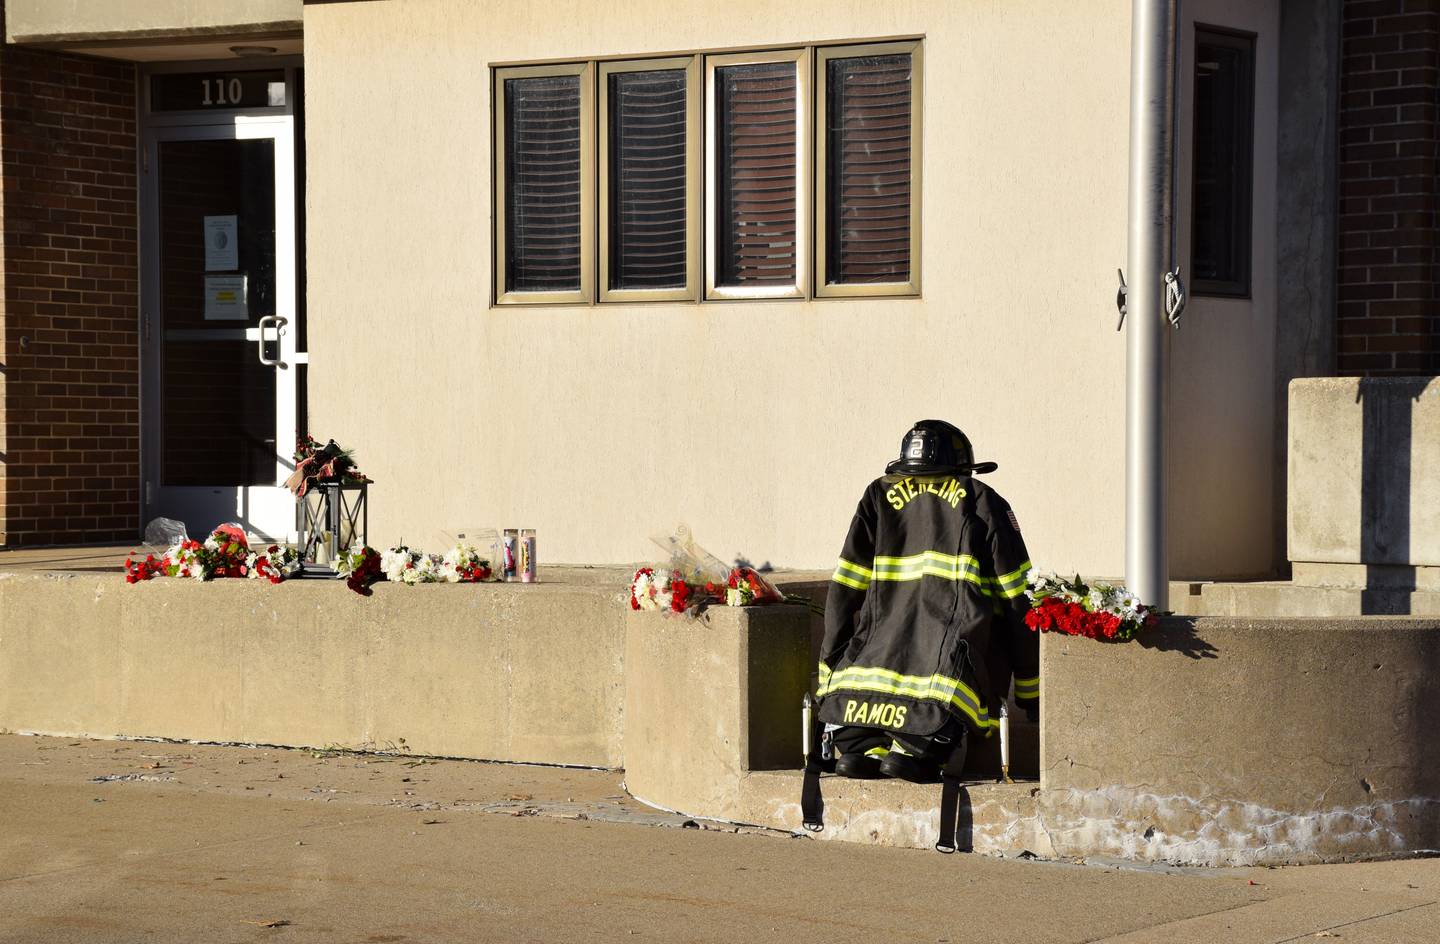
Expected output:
{"points": [[745, 586], [265, 568], [225, 553], [1072, 619], [229, 553], [652, 589], [680, 593], [474, 573], [1096, 611], [147, 569], [665, 591], [362, 568]]}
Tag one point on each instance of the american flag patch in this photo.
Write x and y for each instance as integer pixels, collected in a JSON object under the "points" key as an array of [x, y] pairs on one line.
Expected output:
{"points": [[1011, 515]]}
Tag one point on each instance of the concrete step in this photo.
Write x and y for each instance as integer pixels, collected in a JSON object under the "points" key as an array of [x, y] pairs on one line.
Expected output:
{"points": [[1275, 599], [997, 818]]}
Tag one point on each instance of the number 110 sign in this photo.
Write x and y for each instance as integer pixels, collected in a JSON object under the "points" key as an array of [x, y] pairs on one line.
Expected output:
{"points": [[201, 91]]}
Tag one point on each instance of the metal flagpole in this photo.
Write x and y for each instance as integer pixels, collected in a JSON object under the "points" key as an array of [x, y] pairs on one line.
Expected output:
{"points": [[1149, 263]]}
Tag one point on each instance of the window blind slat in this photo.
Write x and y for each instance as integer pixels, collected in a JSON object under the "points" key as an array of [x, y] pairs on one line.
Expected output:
{"points": [[647, 135], [755, 153], [542, 184], [868, 140]]}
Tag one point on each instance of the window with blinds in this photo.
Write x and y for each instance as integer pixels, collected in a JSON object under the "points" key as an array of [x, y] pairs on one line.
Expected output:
{"points": [[649, 161], [707, 184], [757, 187], [544, 182], [867, 142]]}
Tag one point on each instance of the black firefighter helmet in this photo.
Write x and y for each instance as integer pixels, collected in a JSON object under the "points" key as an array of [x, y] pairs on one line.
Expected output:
{"points": [[935, 447]]}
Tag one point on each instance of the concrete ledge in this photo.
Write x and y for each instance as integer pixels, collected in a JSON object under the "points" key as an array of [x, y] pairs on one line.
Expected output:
{"points": [[1294, 600], [1364, 471], [710, 698], [1366, 576], [1217, 742], [500, 672], [1243, 742]]}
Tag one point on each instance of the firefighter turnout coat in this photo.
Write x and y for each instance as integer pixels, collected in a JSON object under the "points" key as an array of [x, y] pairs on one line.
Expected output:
{"points": [[924, 621]]}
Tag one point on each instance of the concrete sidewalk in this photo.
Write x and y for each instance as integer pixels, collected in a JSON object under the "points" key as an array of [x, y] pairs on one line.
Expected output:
{"points": [[130, 841]]}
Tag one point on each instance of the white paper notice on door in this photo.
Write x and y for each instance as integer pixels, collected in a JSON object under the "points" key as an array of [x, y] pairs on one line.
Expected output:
{"points": [[225, 298], [222, 243]]}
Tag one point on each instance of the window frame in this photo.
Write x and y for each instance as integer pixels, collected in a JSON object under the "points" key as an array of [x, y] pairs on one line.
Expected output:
{"points": [[804, 183], [499, 216], [1247, 43], [694, 151], [823, 56]]}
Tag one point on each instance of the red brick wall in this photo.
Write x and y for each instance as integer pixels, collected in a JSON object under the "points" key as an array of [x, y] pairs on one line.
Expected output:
{"points": [[69, 392], [1388, 312]]}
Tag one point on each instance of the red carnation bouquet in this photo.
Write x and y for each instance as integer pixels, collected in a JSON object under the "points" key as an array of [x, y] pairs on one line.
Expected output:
{"points": [[360, 568], [225, 553], [748, 587], [656, 588], [1102, 611], [694, 579]]}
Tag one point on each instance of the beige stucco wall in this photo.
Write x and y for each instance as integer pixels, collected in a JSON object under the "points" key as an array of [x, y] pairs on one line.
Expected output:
{"points": [[757, 423], [70, 20]]}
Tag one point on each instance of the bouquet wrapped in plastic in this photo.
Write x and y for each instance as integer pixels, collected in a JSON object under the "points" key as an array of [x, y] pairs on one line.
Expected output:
{"points": [[694, 578], [746, 586]]}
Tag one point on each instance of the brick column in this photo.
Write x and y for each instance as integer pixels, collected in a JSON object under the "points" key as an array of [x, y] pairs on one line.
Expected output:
{"points": [[1388, 311], [69, 390]]}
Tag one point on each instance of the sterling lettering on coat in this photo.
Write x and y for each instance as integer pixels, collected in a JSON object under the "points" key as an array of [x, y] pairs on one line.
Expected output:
{"points": [[907, 490]]}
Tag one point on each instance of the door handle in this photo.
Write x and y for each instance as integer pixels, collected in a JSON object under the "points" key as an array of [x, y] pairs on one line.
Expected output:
{"points": [[278, 323]]}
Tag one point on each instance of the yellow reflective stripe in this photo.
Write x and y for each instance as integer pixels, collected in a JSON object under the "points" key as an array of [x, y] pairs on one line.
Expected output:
{"points": [[1015, 574], [855, 569], [930, 570], [917, 686], [1027, 687], [850, 582], [933, 688], [1013, 584], [823, 673], [956, 560], [931, 564]]}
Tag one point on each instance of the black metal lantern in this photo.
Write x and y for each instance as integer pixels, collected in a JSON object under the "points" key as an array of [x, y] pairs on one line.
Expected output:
{"points": [[331, 518]]}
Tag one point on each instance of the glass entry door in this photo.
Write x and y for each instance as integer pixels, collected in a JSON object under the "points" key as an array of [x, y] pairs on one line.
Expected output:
{"points": [[220, 309]]}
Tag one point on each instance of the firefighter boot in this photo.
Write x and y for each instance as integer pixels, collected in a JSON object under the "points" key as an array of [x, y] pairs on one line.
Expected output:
{"points": [[904, 765], [861, 752]]}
